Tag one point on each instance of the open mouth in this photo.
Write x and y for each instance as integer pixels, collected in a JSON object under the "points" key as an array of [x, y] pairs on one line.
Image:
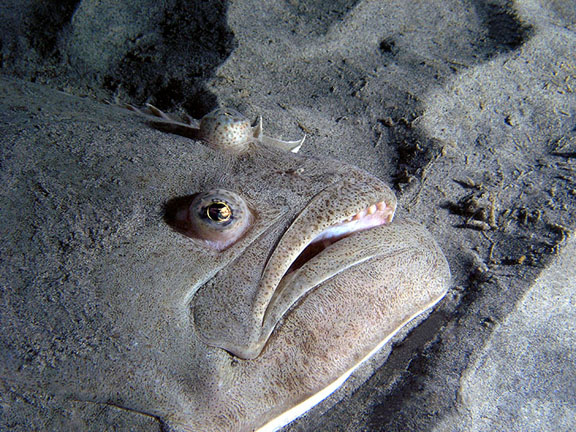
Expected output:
{"points": [[321, 260], [372, 216]]}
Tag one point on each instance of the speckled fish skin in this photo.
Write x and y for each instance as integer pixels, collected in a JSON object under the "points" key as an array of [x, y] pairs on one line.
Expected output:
{"points": [[100, 295]]}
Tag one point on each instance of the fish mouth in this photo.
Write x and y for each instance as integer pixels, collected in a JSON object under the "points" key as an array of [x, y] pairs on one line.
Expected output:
{"points": [[333, 250], [372, 216]]}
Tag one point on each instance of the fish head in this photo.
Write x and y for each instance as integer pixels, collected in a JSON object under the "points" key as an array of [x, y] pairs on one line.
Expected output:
{"points": [[214, 291]]}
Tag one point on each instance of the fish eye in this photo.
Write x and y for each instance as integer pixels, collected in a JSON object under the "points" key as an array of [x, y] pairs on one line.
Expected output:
{"points": [[219, 217], [226, 130]]}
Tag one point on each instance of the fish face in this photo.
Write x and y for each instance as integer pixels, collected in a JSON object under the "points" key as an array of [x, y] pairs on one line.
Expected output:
{"points": [[211, 290], [304, 255], [322, 277]]}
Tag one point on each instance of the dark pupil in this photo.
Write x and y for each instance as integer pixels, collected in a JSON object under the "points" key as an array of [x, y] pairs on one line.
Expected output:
{"points": [[218, 212]]}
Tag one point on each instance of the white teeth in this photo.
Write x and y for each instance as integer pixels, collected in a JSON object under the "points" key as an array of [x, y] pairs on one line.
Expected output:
{"points": [[379, 206], [374, 215]]}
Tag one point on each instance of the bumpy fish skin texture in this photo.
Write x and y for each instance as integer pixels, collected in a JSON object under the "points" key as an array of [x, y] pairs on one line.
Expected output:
{"points": [[109, 297]]}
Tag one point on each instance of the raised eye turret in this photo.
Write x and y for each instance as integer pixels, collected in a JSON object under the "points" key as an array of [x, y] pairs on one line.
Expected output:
{"points": [[226, 129]]}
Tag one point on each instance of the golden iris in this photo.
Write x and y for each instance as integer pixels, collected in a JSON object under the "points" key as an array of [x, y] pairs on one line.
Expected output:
{"points": [[218, 211]]}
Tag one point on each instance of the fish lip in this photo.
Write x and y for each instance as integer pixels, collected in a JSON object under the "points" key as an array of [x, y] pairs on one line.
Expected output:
{"points": [[372, 217]]}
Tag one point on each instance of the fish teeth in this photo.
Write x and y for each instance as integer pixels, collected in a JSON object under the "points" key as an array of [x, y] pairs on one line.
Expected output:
{"points": [[370, 210]]}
